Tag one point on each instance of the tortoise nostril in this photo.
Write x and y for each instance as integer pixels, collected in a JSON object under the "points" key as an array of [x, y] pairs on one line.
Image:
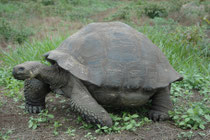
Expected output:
{"points": [[13, 72], [21, 68]]}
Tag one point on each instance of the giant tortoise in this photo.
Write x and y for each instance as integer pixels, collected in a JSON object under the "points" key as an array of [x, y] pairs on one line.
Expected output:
{"points": [[107, 64]]}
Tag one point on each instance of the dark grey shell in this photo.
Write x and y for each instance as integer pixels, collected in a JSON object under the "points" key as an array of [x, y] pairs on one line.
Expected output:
{"points": [[113, 54]]}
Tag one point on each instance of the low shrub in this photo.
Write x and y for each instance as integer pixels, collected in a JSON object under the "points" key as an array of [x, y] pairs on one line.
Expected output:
{"points": [[12, 33], [153, 10], [48, 2], [76, 2], [122, 13], [195, 117]]}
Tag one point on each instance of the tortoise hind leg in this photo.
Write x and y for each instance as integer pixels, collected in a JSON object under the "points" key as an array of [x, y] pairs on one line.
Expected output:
{"points": [[35, 92], [161, 104]]}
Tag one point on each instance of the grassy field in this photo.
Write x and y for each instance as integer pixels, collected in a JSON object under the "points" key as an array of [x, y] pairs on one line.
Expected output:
{"points": [[29, 28]]}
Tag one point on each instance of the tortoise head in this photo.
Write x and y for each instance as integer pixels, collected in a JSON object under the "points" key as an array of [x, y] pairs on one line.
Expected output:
{"points": [[26, 70]]}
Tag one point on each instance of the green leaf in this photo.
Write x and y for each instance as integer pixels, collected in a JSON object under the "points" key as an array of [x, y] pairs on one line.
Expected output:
{"points": [[195, 126], [30, 124], [201, 134], [187, 119], [40, 119], [200, 111], [181, 123], [189, 125], [126, 118], [97, 131], [128, 127], [202, 126], [135, 116], [104, 127], [55, 133], [207, 117], [50, 116], [34, 126], [184, 116], [133, 121], [190, 111], [176, 117], [98, 125], [138, 124]]}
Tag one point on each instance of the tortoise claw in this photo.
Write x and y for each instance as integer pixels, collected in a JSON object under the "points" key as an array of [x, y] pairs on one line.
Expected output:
{"points": [[34, 109], [158, 115]]}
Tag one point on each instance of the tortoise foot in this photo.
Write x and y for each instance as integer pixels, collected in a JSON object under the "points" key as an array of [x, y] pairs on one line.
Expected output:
{"points": [[158, 115], [103, 120], [34, 109]]}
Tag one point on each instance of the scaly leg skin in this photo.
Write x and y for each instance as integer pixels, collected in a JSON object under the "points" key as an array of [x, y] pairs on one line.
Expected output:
{"points": [[35, 92], [161, 104], [82, 102]]}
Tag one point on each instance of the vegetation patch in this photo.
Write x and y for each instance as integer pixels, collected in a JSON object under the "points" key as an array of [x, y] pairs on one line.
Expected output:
{"points": [[194, 117], [6, 135], [153, 10], [12, 33], [128, 122], [12, 88], [43, 117]]}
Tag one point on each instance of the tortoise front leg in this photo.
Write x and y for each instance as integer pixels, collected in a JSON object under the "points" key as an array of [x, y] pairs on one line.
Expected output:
{"points": [[161, 104], [35, 92], [82, 102]]}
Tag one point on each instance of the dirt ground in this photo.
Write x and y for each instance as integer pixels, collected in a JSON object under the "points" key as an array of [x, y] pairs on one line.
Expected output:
{"points": [[13, 117]]}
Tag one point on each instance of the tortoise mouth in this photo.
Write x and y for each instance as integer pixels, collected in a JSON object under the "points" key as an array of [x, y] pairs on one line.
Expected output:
{"points": [[20, 76]]}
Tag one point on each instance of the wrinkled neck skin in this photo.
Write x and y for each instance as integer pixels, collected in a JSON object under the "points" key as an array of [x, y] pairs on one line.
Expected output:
{"points": [[53, 75]]}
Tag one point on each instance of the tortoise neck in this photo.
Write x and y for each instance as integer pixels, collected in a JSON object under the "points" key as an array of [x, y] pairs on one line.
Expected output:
{"points": [[53, 75]]}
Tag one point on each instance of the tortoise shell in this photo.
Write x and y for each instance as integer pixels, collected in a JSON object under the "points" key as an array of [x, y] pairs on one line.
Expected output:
{"points": [[113, 54]]}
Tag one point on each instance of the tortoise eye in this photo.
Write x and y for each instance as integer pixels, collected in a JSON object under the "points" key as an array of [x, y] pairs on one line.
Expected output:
{"points": [[21, 68]]}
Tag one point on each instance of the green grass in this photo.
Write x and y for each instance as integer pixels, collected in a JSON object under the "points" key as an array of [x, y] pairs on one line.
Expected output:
{"points": [[90, 8], [182, 55], [68, 9], [17, 17], [30, 51]]}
